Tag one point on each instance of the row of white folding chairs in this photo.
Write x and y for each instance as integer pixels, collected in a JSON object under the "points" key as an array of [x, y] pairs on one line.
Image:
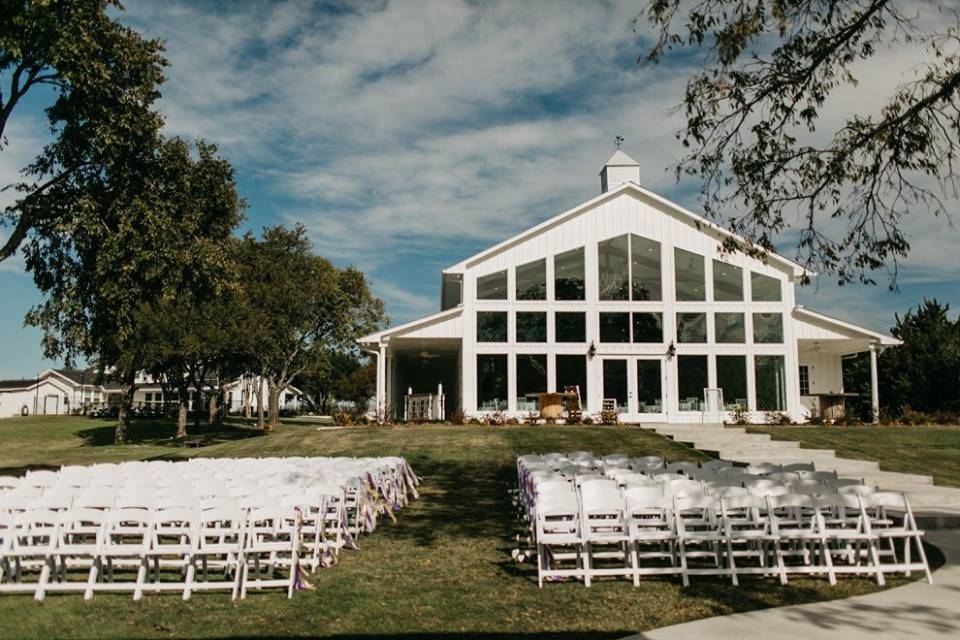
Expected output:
{"points": [[40, 550], [598, 526]]}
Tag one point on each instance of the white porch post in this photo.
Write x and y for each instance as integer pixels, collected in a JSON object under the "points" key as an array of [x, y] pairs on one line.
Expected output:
{"points": [[874, 386], [382, 383]]}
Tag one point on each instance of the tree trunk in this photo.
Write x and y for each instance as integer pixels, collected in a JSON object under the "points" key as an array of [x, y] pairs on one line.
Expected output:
{"points": [[213, 408], [274, 392], [261, 423], [197, 407], [247, 400], [121, 433], [182, 411]]}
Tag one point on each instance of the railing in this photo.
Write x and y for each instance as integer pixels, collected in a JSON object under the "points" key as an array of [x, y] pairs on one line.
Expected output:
{"points": [[424, 406]]}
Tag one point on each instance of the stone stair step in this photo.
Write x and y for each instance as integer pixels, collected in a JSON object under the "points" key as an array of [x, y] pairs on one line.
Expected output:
{"points": [[777, 456]]}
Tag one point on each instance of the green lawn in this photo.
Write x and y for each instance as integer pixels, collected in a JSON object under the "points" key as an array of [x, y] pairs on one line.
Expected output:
{"points": [[443, 571], [928, 450]]}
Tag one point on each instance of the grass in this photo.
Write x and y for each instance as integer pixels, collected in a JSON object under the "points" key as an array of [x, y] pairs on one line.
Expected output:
{"points": [[927, 450], [443, 570]]}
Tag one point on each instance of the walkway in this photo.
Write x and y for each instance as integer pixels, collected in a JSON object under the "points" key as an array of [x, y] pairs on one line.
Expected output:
{"points": [[935, 507], [917, 610]]}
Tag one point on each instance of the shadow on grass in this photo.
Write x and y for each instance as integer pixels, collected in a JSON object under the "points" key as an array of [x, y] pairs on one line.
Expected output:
{"points": [[476, 635], [162, 432]]}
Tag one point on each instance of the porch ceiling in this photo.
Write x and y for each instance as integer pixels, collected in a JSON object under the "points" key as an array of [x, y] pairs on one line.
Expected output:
{"points": [[840, 347], [413, 346]]}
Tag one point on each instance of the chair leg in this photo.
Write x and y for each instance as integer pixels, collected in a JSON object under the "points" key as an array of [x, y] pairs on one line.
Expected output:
{"points": [[92, 578]]}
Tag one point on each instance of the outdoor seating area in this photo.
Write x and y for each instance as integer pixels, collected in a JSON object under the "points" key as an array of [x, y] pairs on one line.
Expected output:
{"points": [[229, 524], [615, 516]]}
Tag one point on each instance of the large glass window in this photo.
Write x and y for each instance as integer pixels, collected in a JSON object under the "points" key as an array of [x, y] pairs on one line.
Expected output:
{"points": [[727, 282], [645, 268], [451, 290], [568, 280], [692, 379], [491, 326], [689, 275], [647, 327], [729, 327], [531, 380], [804, 374], [614, 327], [770, 383], [532, 280], [531, 326], [571, 326], [649, 387], [764, 288], [691, 327], [613, 269], [492, 287], [572, 373], [492, 382], [732, 379], [768, 328], [615, 383]]}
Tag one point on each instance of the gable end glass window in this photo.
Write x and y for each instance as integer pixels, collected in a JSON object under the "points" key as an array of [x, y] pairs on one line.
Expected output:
{"points": [[531, 326], [570, 326], [491, 326], [691, 327], [645, 269], [492, 382], [764, 288], [732, 380], [648, 327], [613, 269], [532, 280], [729, 328], [691, 381], [689, 275], [770, 383], [727, 282], [531, 380], [768, 328], [492, 287], [568, 280], [614, 327]]}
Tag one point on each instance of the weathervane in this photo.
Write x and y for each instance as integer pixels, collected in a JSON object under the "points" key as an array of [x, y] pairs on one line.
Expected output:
{"points": [[619, 142]]}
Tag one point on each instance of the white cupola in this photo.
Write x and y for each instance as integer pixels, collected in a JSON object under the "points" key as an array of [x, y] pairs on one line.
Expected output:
{"points": [[619, 168]]}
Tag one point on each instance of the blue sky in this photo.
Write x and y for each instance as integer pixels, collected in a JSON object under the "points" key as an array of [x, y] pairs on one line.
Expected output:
{"points": [[408, 135]]}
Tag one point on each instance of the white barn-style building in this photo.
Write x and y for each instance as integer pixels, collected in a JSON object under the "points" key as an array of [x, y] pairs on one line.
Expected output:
{"points": [[629, 298]]}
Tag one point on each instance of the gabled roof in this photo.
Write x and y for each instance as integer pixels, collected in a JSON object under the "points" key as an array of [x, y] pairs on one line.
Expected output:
{"points": [[620, 159], [844, 327], [436, 318], [796, 268], [16, 384]]}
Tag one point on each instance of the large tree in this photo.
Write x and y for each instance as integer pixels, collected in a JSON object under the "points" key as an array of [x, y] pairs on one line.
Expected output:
{"points": [[771, 165], [153, 231], [304, 307], [101, 79]]}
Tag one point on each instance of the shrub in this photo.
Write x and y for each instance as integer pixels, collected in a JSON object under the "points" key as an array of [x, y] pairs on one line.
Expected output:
{"points": [[815, 418], [739, 415], [776, 418], [459, 417], [342, 418], [531, 418], [588, 421], [607, 417], [496, 419]]}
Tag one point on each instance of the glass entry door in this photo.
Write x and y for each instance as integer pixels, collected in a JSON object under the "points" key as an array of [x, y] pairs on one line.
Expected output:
{"points": [[637, 385]]}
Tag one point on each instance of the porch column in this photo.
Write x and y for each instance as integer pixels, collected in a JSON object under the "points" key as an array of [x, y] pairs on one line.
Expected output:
{"points": [[874, 386], [382, 383]]}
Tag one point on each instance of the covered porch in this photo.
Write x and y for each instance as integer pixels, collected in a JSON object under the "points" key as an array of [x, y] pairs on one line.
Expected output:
{"points": [[822, 344], [418, 368]]}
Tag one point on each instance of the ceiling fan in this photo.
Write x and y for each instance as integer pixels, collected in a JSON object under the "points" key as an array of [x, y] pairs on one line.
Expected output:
{"points": [[426, 355]]}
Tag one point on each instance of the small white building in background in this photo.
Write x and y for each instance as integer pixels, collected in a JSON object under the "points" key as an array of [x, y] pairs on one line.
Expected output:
{"points": [[62, 391], [629, 298]]}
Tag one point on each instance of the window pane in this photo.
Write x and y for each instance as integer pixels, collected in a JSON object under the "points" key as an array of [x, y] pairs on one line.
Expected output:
{"points": [[532, 281], [770, 383], [492, 287], [614, 327], [450, 292], [732, 379], [531, 326], [645, 265], [568, 283], [492, 382], [648, 327], [691, 327], [491, 326], [531, 380], [804, 380], [727, 282], [729, 327], [615, 383], [689, 275], [764, 288], [613, 269], [768, 328], [691, 381], [649, 387], [572, 372], [571, 326]]}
